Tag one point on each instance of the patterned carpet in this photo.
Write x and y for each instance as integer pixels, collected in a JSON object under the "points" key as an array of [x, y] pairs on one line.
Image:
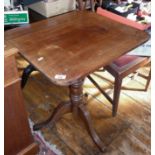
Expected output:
{"points": [[44, 146]]}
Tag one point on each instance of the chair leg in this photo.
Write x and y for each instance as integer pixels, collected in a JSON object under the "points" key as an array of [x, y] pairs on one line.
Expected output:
{"points": [[26, 73], [92, 5], [148, 80], [117, 90], [80, 4]]}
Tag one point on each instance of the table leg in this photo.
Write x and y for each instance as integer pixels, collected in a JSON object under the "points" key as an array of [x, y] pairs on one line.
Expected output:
{"points": [[26, 73], [91, 130], [60, 110], [76, 105]]}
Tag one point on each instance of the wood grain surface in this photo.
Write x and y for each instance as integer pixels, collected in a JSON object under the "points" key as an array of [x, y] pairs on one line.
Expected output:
{"points": [[17, 134], [74, 44], [126, 134]]}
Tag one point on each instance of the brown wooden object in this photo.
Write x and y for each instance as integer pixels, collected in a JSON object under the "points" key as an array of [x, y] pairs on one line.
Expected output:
{"points": [[17, 135], [119, 73], [122, 67], [82, 4], [69, 47]]}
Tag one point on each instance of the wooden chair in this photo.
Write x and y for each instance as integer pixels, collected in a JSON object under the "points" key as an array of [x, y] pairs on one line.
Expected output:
{"points": [[83, 3], [122, 67]]}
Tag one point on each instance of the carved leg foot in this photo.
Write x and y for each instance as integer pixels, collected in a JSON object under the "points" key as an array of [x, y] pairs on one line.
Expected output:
{"points": [[60, 110], [26, 73], [78, 101], [91, 130]]}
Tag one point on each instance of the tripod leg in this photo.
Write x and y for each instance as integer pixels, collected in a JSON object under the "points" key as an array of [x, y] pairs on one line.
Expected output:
{"points": [[60, 110], [26, 73]]}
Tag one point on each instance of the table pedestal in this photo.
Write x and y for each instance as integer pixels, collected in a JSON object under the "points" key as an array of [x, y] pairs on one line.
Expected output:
{"points": [[77, 106]]}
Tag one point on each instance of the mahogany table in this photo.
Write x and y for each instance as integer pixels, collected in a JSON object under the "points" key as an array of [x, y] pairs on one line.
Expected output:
{"points": [[69, 47]]}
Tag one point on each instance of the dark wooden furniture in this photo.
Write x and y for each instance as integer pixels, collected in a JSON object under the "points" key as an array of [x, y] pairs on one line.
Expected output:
{"points": [[29, 69], [69, 47], [26, 73], [82, 4], [17, 135], [121, 67]]}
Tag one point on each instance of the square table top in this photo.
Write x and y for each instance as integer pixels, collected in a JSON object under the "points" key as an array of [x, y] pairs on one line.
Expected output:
{"points": [[71, 46]]}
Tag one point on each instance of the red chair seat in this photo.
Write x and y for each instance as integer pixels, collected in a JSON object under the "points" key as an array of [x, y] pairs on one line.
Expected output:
{"points": [[124, 60], [124, 65]]}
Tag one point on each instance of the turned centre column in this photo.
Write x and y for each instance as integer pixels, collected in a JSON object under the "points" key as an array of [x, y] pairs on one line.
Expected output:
{"points": [[76, 95]]}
